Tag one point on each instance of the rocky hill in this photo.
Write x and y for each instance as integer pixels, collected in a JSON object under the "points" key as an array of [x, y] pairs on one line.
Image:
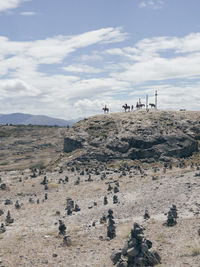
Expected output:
{"points": [[138, 135]]}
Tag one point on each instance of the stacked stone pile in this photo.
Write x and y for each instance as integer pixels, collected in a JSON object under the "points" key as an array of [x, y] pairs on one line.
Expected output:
{"points": [[172, 216], [136, 251], [111, 233], [70, 207]]}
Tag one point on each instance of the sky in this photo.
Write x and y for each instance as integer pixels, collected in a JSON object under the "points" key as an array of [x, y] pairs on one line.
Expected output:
{"points": [[69, 58]]}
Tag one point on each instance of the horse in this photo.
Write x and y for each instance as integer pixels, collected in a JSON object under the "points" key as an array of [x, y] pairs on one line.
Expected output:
{"points": [[139, 105], [152, 105], [105, 109], [126, 107]]}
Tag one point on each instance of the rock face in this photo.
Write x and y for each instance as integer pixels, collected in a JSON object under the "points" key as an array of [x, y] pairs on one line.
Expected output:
{"points": [[71, 144], [154, 135]]}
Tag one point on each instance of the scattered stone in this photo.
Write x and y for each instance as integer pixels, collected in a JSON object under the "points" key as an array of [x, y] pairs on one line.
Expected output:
{"points": [[31, 200], [61, 181], [8, 202], [123, 173], [90, 178], [44, 182], [103, 176], [3, 186], [103, 219], [1, 212], [76, 209], [67, 241], [66, 179], [116, 189], [33, 175], [54, 255], [199, 232], [77, 182], [82, 172], [109, 187], [60, 170]]}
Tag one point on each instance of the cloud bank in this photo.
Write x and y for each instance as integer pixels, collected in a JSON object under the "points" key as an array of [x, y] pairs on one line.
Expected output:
{"points": [[74, 76]]}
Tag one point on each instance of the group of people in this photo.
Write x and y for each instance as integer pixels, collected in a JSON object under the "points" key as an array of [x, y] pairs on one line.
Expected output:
{"points": [[139, 105]]}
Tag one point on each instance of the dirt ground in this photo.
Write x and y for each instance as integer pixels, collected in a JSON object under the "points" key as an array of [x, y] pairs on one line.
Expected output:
{"points": [[33, 239]]}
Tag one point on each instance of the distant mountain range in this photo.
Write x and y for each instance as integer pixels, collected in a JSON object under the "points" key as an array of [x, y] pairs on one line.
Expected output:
{"points": [[26, 119]]}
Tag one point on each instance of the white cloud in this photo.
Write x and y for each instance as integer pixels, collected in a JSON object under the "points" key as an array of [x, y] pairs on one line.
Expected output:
{"points": [[155, 4], [28, 13], [82, 68], [10, 4]]}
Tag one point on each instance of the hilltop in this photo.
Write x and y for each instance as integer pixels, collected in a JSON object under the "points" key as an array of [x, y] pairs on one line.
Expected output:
{"points": [[138, 135]]}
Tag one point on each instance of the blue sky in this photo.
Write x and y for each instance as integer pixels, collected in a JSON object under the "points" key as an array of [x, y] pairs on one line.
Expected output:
{"points": [[68, 58]]}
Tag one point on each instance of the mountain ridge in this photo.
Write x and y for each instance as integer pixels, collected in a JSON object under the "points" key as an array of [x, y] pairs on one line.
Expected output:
{"points": [[26, 119]]}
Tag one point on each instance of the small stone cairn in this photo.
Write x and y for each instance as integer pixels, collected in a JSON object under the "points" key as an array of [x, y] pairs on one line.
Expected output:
{"points": [[105, 200], [2, 229], [172, 216], [70, 206], [9, 219], [111, 233], [136, 251], [62, 228], [146, 215]]}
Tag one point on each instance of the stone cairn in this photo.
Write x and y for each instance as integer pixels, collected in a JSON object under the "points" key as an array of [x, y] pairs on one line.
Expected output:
{"points": [[62, 228], [2, 229], [111, 233], [172, 216], [17, 205], [115, 199], [44, 181], [105, 200], [103, 219], [9, 219], [136, 251], [146, 215], [70, 207]]}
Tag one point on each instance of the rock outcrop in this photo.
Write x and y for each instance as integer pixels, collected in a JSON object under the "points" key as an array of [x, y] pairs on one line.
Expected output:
{"points": [[138, 135]]}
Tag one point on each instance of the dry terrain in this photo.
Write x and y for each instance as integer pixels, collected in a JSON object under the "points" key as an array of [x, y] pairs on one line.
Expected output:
{"points": [[29, 146], [33, 238]]}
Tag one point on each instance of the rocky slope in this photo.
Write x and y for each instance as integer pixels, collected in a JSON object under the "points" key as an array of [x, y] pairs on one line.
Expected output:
{"points": [[137, 135]]}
